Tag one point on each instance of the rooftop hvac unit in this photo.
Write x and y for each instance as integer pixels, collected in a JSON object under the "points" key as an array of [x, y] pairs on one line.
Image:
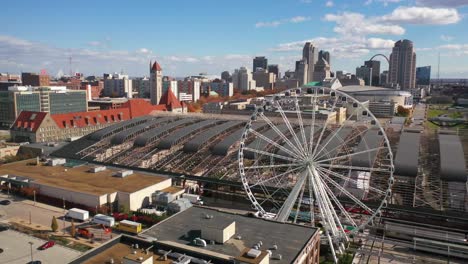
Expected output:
{"points": [[56, 162], [123, 173], [97, 169], [253, 253]]}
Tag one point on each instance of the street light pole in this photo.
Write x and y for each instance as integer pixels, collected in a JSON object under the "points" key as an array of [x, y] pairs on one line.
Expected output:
{"points": [[34, 194], [31, 244]]}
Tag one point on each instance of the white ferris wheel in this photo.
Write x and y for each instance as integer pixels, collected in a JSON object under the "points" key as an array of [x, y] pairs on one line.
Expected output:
{"points": [[319, 157]]}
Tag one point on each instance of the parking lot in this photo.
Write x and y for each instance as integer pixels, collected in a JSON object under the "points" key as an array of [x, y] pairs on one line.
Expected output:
{"points": [[17, 250], [22, 209]]}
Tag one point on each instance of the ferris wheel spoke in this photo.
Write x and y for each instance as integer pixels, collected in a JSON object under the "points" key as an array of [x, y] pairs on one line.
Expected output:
{"points": [[333, 136], [330, 205], [350, 155], [327, 171], [273, 166], [337, 202], [274, 143], [343, 143], [270, 154], [285, 210], [301, 126], [349, 167], [283, 137], [290, 128], [323, 128], [347, 193], [324, 207], [263, 181], [300, 201], [312, 128]]}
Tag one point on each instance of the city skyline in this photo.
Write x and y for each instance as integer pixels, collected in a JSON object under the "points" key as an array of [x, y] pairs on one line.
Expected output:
{"points": [[104, 42]]}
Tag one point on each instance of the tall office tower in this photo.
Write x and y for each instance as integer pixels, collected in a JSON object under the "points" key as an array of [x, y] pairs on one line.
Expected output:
{"points": [[423, 75], [155, 83], [242, 79], [118, 86], [375, 66], [226, 76], [321, 71], [324, 55], [384, 78], [260, 62], [402, 70], [302, 72], [274, 69], [308, 55], [364, 73], [264, 79]]}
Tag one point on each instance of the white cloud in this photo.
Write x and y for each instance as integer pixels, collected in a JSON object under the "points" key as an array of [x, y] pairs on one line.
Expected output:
{"points": [[329, 4], [94, 43], [144, 51], [422, 15], [442, 3], [357, 24], [181, 59], [446, 38], [384, 2], [296, 19], [340, 47]]}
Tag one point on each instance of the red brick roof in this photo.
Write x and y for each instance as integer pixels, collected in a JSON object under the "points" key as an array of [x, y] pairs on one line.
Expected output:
{"points": [[170, 100], [83, 119], [140, 107], [156, 67], [28, 119]]}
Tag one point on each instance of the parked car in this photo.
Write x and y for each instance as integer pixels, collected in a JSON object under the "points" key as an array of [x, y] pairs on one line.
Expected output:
{"points": [[47, 245], [5, 202], [4, 227]]}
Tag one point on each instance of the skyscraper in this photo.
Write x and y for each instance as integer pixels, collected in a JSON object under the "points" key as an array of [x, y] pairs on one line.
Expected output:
{"points": [[423, 75], [274, 69], [375, 66], [308, 55], [301, 72], [402, 70], [155, 83], [321, 71], [226, 76], [260, 62], [364, 73], [242, 79], [324, 55]]}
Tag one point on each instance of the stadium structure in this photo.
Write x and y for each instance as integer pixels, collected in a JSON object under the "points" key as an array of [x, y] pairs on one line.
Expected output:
{"points": [[429, 167]]}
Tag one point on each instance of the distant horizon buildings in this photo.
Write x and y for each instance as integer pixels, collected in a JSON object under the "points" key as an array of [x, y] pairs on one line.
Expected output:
{"points": [[402, 68], [423, 75]]}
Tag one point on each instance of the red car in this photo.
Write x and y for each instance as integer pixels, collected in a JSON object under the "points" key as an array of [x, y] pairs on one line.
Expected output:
{"points": [[47, 245]]}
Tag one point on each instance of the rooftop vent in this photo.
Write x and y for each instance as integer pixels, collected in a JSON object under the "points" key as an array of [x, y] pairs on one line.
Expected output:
{"points": [[56, 162], [123, 173], [253, 253], [97, 169]]}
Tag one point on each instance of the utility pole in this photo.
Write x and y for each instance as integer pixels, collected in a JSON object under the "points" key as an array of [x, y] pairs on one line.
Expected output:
{"points": [[31, 244], [34, 194]]}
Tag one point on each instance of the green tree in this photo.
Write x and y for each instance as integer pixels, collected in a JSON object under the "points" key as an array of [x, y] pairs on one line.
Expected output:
{"points": [[54, 225], [72, 229]]}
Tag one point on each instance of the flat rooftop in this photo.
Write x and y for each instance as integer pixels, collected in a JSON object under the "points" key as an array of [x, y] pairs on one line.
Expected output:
{"points": [[183, 227], [79, 178]]}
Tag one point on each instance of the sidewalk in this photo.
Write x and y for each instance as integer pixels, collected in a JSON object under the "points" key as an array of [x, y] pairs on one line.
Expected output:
{"points": [[45, 206]]}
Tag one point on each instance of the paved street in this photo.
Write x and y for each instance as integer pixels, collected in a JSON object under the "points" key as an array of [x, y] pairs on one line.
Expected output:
{"points": [[16, 250]]}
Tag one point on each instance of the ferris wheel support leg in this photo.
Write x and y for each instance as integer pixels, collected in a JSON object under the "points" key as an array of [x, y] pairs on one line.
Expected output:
{"points": [[285, 210]]}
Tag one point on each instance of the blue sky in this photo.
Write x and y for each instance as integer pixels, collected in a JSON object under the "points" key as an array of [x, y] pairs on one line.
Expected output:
{"points": [[188, 37]]}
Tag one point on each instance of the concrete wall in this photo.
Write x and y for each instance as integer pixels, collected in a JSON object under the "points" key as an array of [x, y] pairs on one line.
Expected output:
{"points": [[91, 200], [141, 198]]}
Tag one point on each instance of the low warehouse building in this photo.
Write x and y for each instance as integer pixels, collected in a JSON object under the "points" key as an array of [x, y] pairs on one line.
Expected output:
{"points": [[82, 186]]}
